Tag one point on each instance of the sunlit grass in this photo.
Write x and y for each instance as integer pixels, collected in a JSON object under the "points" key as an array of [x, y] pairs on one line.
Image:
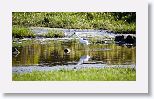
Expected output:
{"points": [[122, 22], [20, 32], [25, 32], [54, 34], [106, 74]]}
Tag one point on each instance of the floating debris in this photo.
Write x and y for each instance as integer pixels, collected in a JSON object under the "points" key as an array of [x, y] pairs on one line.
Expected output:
{"points": [[15, 51]]}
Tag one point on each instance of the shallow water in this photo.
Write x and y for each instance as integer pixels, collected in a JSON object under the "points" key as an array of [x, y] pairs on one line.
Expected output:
{"points": [[51, 53]]}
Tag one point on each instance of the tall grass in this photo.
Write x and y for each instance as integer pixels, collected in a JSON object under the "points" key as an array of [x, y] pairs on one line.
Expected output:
{"points": [[54, 34], [123, 22], [106, 74], [20, 32]]}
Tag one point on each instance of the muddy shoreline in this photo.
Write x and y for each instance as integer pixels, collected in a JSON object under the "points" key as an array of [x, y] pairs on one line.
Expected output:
{"points": [[29, 69]]}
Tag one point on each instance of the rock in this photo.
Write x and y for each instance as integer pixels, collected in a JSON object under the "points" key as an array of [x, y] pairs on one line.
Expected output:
{"points": [[119, 39], [130, 40], [67, 50]]}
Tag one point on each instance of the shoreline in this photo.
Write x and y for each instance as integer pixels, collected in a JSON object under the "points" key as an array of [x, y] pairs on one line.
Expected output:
{"points": [[29, 69]]}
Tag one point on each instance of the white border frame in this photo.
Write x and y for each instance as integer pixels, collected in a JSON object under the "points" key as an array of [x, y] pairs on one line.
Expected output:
{"points": [[138, 86]]}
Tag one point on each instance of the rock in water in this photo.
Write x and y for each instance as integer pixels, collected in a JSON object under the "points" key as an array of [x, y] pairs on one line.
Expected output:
{"points": [[130, 40], [67, 50]]}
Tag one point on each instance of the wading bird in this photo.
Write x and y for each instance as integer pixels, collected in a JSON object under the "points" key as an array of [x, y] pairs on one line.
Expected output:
{"points": [[82, 40], [83, 59]]}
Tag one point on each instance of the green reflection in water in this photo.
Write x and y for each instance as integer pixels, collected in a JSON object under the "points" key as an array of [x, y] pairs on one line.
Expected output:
{"points": [[52, 53]]}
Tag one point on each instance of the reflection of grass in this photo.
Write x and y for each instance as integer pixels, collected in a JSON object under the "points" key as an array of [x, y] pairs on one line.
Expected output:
{"points": [[107, 74], [23, 43], [117, 54], [19, 32], [55, 34]]}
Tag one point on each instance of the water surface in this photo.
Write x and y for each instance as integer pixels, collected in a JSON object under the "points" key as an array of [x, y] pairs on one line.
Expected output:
{"points": [[51, 53]]}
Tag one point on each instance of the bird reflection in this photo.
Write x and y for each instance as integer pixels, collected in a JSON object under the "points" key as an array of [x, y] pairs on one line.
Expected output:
{"points": [[83, 59]]}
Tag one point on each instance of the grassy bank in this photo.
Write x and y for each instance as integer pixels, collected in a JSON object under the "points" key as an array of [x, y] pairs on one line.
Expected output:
{"points": [[25, 32], [20, 32], [106, 74], [54, 34], [122, 22]]}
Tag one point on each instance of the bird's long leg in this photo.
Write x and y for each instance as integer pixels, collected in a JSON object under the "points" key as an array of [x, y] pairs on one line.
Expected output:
{"points": [[87, 49]]}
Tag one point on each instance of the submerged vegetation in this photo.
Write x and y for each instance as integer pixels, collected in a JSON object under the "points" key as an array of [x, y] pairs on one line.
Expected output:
{"points": [[121, 22], [106, 74]]}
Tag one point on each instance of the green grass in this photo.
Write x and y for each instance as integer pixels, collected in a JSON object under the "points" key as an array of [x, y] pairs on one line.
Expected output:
{"points": [[122, 22], [54, 34], [100, 39], [106, 74], [25, 32], [20, 32]]}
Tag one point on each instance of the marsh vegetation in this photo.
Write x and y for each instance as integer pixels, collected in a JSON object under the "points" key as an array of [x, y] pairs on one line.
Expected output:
{"points": [[121, 22], [40, 38]]}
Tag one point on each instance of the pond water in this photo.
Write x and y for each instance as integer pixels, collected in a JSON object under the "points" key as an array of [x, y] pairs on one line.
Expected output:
{"points": [[51, 53]]}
